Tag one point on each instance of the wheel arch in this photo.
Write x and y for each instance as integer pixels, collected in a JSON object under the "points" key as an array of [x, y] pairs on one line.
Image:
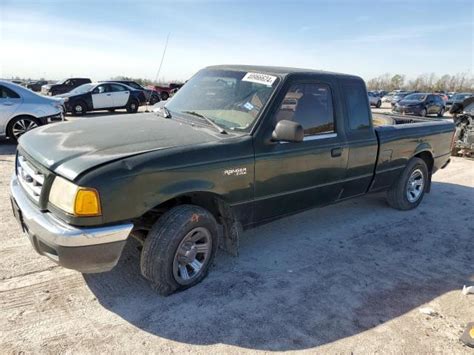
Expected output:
{"points": [[229, 227], [10, 121], [427, 156]]}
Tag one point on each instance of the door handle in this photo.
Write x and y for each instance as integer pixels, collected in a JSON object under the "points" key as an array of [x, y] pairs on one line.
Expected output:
{"points": [[336, 152]]}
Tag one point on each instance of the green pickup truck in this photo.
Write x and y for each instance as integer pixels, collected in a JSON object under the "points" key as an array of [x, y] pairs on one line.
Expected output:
{"points": [[236, 147]]}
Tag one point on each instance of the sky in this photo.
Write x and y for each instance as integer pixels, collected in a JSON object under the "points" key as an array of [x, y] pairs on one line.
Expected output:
{"points": [[105, 38]]}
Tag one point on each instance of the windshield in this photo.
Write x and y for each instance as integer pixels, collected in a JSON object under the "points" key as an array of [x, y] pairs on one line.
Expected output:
{"points": [[82, 89], [231, 99], [415, 97]]}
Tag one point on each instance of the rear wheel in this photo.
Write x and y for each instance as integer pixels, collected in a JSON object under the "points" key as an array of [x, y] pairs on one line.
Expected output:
{"points": [[132, 106], [164, 96], [20, 125], [423, 112], [408, 191], [379, 103], [441, 112], [179, 249], [154, 99]]}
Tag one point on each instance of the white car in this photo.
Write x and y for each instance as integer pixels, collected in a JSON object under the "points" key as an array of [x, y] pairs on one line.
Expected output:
{"points": [[22, 110], [374, 99]]}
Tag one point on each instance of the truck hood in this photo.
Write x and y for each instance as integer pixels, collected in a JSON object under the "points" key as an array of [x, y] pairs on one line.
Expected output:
{"points": [[70, 148]]}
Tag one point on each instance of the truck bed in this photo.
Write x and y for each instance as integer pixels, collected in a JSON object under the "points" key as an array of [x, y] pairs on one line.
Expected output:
{"points": [[400, 136]]}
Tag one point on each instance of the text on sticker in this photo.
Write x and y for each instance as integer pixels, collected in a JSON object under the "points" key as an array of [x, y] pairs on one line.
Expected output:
{"points": [[260, 78]]}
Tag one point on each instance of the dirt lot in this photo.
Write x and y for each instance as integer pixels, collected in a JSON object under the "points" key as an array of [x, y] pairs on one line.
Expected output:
{"points": [[346, 278]]}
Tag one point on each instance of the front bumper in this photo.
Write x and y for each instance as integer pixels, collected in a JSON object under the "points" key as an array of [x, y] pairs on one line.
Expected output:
{"points": [[409, 110], [87, 250]]}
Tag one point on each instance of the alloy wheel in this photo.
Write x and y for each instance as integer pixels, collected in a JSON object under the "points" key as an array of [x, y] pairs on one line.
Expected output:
{"points": [[192, 255], [415, 185], [22, 126]]}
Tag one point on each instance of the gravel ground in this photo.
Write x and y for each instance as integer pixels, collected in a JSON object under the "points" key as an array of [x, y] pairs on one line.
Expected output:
{"points": [[348, 278]]}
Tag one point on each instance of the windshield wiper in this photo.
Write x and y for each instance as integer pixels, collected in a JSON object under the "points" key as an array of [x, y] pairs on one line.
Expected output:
{"points": [[211, 122]]}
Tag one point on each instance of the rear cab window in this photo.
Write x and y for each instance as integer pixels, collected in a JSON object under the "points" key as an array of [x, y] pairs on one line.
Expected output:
{"points": [[357, 106]]}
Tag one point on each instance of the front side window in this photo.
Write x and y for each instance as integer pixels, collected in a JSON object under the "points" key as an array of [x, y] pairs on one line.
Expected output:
{"points": [[231, 99], [356, 104], [116, 87], [6, 93], [100, 89], [310, 105]]}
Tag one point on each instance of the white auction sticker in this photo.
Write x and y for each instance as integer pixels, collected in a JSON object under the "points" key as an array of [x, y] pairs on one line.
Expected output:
{"points": [[260, 78]]}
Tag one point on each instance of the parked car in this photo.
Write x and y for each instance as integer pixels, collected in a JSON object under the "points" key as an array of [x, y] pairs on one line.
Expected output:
{"points": [[374, 99], [35, 85], [152, 97], [421, 104], [21, 110], [388, 97], [214, 163], [165, 92], [103, 96], [457, 98], [63, 86], [399, 96]]}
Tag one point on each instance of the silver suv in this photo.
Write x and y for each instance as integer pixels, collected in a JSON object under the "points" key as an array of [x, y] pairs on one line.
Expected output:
{"points": [[22, 110]]}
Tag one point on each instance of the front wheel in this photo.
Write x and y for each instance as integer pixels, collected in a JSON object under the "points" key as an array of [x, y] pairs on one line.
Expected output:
{"points": [[79, 109], [179, 249], [423, 113], [408, 191], [379, 103], [132, 106], [441, 112]]}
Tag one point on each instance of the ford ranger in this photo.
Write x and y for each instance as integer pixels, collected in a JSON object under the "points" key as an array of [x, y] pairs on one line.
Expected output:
{"points": [[236, 147]]}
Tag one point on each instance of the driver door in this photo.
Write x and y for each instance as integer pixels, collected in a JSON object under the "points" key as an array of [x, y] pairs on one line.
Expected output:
{"points": [[102, 97], [290, 177]]}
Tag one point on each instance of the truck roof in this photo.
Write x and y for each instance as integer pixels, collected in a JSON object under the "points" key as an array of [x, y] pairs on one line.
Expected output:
{"points": [[280, 71]]}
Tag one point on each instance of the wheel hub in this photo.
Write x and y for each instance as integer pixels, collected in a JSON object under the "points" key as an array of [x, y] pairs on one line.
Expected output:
{"points": [[192, 255]]}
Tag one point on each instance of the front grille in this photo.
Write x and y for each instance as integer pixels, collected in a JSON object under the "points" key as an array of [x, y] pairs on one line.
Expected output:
{"points": [[30, 178]]}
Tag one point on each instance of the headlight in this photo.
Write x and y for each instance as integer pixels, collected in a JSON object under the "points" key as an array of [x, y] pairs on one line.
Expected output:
{"points": [[73, 199]]}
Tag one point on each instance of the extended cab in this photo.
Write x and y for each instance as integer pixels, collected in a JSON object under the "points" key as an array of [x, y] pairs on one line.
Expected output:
{"points": [[237, 146]]}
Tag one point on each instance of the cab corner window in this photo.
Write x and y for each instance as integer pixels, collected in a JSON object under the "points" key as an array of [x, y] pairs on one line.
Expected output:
{"points": [[356, 104], [310, 105]]}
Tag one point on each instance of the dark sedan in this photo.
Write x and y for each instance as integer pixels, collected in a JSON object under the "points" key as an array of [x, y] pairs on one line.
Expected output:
{"points": [[421, 104], [456, 98]]}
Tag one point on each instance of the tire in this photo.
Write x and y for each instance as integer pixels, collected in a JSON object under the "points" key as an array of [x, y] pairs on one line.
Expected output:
{"points": [[399, 192], [441, 112], [423, 112], [163, 259], [78, 108], [132, 106], [154, 99], [379, 103], [20, 125], [164, 95]]}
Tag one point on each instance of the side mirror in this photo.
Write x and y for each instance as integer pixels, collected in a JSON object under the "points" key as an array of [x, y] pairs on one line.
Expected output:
{"points": [[288, 131]]}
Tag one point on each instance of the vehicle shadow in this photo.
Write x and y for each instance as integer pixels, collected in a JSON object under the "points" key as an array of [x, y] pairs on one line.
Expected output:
{"points": [[309, 279], [7, 147]]}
